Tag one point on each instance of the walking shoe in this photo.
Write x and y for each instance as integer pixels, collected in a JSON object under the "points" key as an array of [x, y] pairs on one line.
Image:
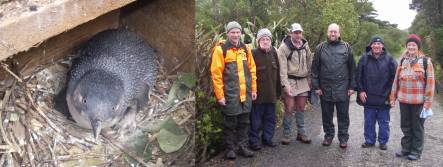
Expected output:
{"points": [[303, 138], [326, 142], [255, 147], [230, 154], [285, 141], [244, 151], [366, 145], [343, 145], [401, 154], [383, 147], [270, 144], [413, 157]]}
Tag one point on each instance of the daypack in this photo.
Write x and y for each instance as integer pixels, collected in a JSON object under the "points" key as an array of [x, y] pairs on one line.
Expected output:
{"points": [[225, 48]]}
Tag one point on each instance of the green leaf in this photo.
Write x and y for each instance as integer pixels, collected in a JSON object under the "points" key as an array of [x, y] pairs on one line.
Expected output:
{"points": [[154, 126], [187, 79], [171, 137], [139, 145]]}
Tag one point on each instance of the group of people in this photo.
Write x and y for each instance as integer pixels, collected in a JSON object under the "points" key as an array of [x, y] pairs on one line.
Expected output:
{"points": [[248, 83]]}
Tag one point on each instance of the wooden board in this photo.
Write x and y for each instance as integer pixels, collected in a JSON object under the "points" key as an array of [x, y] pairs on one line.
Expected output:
{"points": [[62, 45], [20, 33], [168, 26]]}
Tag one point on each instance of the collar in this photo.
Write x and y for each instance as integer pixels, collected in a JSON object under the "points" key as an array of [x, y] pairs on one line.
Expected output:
{"points": [[229, 45], [334, 42]]}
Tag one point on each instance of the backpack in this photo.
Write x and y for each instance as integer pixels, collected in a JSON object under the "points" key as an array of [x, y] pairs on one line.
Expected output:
{"points": [[225, 48]]}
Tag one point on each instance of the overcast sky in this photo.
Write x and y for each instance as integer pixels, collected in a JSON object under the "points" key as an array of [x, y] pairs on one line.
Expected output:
{"points": [[395, 11]]}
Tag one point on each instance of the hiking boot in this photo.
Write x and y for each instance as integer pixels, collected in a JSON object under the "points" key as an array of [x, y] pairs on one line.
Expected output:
{"points": [[270, 144], [401, 154], [343, 145], [383, 147], [366, 145], [303, 138], [230, 154], [285, 141], [244, 151], [326, 142], [413, 157], [255, 147]]}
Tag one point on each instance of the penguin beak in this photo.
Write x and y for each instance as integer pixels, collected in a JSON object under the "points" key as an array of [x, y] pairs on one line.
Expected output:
{"points": [[96, 128]]}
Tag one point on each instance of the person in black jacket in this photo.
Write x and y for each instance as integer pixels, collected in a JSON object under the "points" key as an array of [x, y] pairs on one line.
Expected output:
{"points": [[333, 80], [268, 88], [375, 75]]}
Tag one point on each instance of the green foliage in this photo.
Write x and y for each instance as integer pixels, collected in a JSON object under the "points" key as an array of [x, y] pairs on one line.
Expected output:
{"points": [[208, 127], [429, 25]]}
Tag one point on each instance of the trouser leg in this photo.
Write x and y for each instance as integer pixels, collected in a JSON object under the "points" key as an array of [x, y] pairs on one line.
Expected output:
{"points": [[370, 118], [242, 129], [256, 123], [327, 113], [228, 133], [406, 127], [383, 119], [417, 130], [269, 122], [343, 120]]}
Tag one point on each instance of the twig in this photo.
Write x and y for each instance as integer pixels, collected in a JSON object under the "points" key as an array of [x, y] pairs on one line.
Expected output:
{"points": [[184, 120], [2, 130], [178, 104], [3, 159], [15, 145], [125, 150], [5, 147], [5, 67], [187, 58], [54, 157], [30, 155], [158, 97]]}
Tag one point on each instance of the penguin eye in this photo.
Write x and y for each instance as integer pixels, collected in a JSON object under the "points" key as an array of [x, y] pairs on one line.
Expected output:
{"points": [[84, 101]]}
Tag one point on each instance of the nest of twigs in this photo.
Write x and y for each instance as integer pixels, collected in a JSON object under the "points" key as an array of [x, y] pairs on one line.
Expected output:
{"points": [[34, 133]]}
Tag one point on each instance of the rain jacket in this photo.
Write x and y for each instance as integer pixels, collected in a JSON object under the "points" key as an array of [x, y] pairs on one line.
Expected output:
{"points": [[234, 77], [333, 70], [375, 77]]}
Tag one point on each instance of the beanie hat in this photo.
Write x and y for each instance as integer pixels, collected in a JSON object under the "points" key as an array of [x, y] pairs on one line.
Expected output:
{"points": [[414, 38], [263, 33], [231, 25], [376, 39]]}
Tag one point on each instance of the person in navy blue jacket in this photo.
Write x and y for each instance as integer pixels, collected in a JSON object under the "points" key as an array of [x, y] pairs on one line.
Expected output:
{"points": [[374, 77]]}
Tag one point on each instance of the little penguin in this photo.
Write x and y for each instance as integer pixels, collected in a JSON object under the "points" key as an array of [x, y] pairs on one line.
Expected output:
{"points": [[110, 80]]}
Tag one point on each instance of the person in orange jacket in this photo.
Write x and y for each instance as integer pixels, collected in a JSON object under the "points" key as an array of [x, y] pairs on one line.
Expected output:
{"points": [[234, 80]]}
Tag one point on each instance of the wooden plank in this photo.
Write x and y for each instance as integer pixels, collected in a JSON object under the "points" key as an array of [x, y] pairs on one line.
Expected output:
{"points": [[168, 26], [18, 34], [62, 45]]}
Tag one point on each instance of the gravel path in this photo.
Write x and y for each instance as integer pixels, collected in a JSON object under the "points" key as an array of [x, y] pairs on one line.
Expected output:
{"points": [[314, 154]]}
